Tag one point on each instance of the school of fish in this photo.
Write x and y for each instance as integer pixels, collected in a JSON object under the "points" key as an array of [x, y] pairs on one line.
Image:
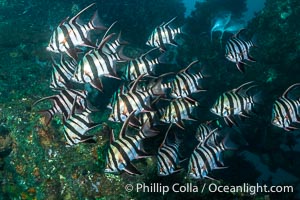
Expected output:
{"points": [[154, 105]]}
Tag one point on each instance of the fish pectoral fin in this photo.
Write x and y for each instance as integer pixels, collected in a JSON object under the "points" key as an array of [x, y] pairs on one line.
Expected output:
{"points": [[245, 115], [180, 124], [132, 170], [72, 53], [135, 122], [143, 154], [250, 58], [213, 179], [191, 118], [230, 122], [177, 170], [174, 43], [96, 83], [240, 66]]}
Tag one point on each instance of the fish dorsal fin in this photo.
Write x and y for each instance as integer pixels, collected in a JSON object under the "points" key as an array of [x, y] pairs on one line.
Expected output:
{"points": [[133, 87], [208, 136], [120, 40], [241, 86], [42, 99], [145, 54], [77, 15], [189, 66], [63, 21], [125, 125], [111, 135], [163, 142], [108, 30], [166, 24], [55, 64], [237, 35], [104, 40], [289, 89], [74, 106], [121, 91]]}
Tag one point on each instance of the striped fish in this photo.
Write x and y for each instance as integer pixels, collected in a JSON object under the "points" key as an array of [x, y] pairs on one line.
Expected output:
{"points": [[163, 35], [127, 148], [203, 130], [126, 103], [130, 101], [185, 83], [124, 88], [237, 50], [94, 65], [76, 127], [168, 157], [178, 110], [140, 65], [115, 47], [62, 73], [121, 90], [285, 112], [70, 34], [205, 158], [66, 102], [146, 117], [235, 102]]}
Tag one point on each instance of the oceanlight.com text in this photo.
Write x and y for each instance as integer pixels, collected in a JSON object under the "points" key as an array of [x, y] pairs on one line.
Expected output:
{"points": [[211, 187], [250, 189]]}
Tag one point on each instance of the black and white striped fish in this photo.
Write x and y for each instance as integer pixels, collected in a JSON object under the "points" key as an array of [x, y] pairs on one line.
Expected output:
{"points": [[94, 65], [285, 112], [178, 110], [133, 100], [70, 34], [147, 117], [153, 89], [237, 50], [185, 83], [140, 65], [76, 127], [65, 103], [205, 158], [62, 73], [236, 102], [203, 130], [123, 89], [125, 149], [163, 35], [168, 157], [115, 47]]}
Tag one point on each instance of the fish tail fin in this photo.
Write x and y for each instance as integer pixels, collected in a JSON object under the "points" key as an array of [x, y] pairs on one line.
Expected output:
{"points": [[121, 54], [258, 98], [183, 29], [157, 88], [227, 144], [120, 40], [254, 41], [147, 131], [166, 58], [95, 22]]}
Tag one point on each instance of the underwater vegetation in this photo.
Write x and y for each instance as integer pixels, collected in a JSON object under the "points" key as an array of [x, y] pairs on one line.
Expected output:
{"points": [[34, 160]]}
